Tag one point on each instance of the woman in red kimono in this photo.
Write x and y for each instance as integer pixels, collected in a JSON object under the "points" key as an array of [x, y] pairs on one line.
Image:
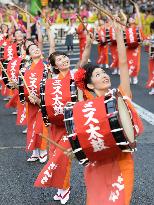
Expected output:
{"points": [[150, 83], [33, 76], [56, 172], [101, 36], [134, 50], [109, 181], [82, 34]]}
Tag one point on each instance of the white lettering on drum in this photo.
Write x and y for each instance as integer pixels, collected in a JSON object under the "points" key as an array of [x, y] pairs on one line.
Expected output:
{"points": [[58, 105], [95, 137]]}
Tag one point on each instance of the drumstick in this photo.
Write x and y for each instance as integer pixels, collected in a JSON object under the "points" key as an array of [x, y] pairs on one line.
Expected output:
{"points": [[5, 72], [105, 12], [82, 23], [13, 4], [132, 1], [54, 143], [24, 82]]}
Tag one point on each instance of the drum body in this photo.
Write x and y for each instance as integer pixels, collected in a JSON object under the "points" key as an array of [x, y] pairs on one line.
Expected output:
{"points": [[132, 37], [96, 131], [55, 94]]}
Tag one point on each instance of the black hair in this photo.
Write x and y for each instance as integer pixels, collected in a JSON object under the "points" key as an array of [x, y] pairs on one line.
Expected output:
{"points": [[52, 59], [27, 50], [17, 31], [89, 68]]}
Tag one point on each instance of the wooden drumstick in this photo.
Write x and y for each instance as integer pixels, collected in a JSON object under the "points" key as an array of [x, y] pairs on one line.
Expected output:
{"points": [[24, 82], [13, 4], [132, 2], [5, 72], [55, 143], [106, 12], [63, 149], [82, 23]]}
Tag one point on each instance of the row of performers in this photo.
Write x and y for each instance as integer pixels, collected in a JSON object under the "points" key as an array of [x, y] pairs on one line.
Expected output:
{"points": [[84, 117], [133, 37]]}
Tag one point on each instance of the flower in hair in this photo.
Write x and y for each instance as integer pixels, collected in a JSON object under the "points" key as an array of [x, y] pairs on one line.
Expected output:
{"points": [[79, 78]]}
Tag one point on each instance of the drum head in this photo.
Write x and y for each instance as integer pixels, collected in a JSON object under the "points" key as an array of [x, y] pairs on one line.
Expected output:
{"points": [[126, 121]]}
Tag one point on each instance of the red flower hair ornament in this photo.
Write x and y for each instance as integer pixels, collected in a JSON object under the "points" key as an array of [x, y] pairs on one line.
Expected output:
{"points": [[79, 78]]}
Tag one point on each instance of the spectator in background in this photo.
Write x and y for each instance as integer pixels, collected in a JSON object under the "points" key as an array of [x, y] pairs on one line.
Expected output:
{"points": [[70, 32]]}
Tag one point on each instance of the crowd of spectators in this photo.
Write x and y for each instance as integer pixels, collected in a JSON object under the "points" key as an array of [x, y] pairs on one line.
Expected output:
{"points": [[60, 13]]}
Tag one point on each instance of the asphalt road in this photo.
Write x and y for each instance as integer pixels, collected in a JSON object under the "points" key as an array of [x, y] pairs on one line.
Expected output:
{"points": [[17, 176]]}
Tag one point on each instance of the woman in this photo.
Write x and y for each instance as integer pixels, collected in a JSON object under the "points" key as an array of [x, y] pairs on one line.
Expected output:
{"points": [[58, 175], [150, 82], [109, 181], [33, 76], [134, 51]]}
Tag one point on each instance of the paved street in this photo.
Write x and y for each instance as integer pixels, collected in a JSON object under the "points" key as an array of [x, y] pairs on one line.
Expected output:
{"points": [[17, 176]]}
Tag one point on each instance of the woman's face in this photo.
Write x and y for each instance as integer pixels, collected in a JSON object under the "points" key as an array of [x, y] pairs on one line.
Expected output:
{"points": [[62, 62], [4, 28], [131, 20], [19, 36], [34, 52], [100, 81]]}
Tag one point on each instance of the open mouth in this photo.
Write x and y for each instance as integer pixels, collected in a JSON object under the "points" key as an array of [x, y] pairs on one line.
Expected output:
{"points": [[106, 81]]}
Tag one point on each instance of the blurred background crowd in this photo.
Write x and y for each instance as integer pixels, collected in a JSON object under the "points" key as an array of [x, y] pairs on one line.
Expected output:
{"points": [[59, 11]]}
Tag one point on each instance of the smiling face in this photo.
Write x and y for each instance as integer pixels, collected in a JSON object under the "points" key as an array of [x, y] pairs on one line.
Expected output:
{"points": [[19, 36], [62, 63], [100, 81], [34, 52]]}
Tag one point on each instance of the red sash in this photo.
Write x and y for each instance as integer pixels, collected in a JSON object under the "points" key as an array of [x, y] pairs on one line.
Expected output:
{"points": [[21, 114], [57, 165], [133, 58], [13, 69], [33, 77], [10, 51]]}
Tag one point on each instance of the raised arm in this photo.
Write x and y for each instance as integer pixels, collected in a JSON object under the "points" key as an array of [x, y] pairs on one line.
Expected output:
{"points": [[39, 33], [28, 35], [123, 16], [51, 39], [123, 66], [138, 15], [14, 22], [87, 50]]}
